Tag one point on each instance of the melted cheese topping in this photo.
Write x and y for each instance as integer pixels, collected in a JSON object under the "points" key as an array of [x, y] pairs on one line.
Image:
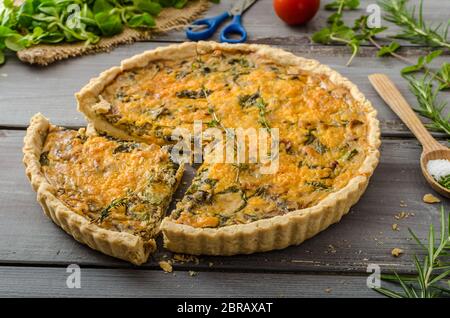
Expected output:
{"points": [[122, 186], [322, 130]]}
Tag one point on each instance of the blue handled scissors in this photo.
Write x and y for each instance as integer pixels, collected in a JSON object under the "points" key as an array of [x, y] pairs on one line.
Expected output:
{"points": [[204, 28]]}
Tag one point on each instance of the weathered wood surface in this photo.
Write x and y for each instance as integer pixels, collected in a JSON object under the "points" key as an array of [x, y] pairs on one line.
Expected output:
{"points": [[362, 237], [26, 90], [51, 282]]}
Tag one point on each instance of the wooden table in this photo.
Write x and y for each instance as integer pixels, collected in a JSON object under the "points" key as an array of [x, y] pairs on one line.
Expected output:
{"points": [[34, 253]]}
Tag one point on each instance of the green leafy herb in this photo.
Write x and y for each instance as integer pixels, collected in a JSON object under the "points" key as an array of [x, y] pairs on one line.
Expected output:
{"points": [[352, 153], [388, 49], [445, 181], [317, 185], [215, 121], [43, 159], [414, 27], [248, 100], [211, 182], [54, 21], [202, 93], [433, 271], [422, 62], [125, 147], [428, 104], [310, 137], [414, 30], [444, 76], [319, 147], [261, 105], [116, 203], [256, 100], [346, 4], [338, 32]]}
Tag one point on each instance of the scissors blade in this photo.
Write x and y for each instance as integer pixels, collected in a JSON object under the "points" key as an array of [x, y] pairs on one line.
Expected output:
{"points": [[240, 6]]}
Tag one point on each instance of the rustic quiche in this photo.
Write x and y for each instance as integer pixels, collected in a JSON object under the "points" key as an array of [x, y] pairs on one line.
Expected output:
{"points": [[328, 139], [107, 193]]}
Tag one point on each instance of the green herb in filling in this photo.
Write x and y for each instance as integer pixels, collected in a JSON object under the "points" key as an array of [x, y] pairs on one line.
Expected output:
{"points": [[43, 159], [186, 93], [125, 147]]}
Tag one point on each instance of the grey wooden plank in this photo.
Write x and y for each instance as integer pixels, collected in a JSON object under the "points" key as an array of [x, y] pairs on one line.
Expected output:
{"points": [[51, 282], [262, 24], [364, 236], [26, 90]]}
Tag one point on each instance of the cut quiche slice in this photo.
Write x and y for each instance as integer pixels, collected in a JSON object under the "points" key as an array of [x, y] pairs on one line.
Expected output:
{"points": [[106, 193], [328, 139]]}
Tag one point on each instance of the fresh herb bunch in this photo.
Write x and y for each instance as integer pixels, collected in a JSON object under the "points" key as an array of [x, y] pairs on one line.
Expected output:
{"points": [[426, 88], [338, 32], [55, 21], [433, 272], [414, 27]]}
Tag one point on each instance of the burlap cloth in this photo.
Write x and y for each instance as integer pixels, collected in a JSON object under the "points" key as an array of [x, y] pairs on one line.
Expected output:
{"points": [[169, 19]]}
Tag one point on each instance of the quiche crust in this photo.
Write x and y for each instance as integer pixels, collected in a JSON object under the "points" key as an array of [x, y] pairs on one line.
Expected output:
{"points": [[123, 245], [266, 234]]}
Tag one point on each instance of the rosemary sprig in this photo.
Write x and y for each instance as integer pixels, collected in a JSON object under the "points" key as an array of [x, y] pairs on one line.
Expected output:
{"points": [[414, 27], [116, 203], [428, 105], [432, 271]]}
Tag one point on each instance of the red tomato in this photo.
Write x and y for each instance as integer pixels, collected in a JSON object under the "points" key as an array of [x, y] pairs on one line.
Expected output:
{"points": [[296, 11]]}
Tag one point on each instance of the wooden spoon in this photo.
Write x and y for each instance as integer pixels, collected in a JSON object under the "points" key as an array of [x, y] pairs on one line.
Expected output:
{"points": [[431, 148]]}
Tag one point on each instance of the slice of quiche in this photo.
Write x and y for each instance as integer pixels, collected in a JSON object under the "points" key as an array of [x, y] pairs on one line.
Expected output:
{"points": [[107, 193]]}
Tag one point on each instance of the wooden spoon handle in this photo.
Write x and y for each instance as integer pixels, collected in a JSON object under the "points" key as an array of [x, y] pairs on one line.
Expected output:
{"points": [[392, 96]]}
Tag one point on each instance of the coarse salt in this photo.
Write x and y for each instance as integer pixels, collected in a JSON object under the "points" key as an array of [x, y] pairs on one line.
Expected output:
{"points": [[439, 168]]}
